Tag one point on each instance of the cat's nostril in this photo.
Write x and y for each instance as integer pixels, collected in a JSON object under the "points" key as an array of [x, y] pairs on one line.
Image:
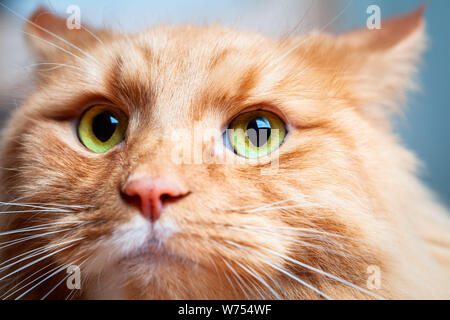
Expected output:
{"points": [[150, 195]]}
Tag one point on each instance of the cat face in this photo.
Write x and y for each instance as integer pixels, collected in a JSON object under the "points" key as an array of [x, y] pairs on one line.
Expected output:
{"points": [[304, 219]]}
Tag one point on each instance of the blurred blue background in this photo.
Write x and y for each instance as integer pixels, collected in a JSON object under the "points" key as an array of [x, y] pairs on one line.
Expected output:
{"points": [[425, 128]]}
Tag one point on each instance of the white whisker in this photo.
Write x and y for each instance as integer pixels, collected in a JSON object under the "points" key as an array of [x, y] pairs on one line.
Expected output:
{"points": [[8, 294], [305, 230], [40, 251], [34, 262], [264, 205], [21, 255], [53, 205], [58, 66], [303, 243], [280, 269], [14, 242], [260, 279], [39, 206], [71, 294], [38, 227], [56, 46], [329, 275], [50, 33], [33, 211], [304, 205], [289, 274], [45, 279], [93, 35], [238, 278]]}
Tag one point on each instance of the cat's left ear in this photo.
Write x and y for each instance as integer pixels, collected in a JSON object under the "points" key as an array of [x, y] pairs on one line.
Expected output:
{"points": [[383, 60], [50, 35]]}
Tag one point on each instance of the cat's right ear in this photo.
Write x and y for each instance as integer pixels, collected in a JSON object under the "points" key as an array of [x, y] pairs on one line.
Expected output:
{"points": [[382, 62], [50, 35]]}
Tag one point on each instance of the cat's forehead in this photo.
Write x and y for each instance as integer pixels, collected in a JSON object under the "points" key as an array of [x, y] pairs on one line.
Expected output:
{"points": [[167, 75], [187, 69], [204, 41]]}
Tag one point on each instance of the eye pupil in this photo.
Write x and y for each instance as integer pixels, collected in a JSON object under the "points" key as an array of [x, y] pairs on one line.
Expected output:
{"points": [[259, 131], [104, 125]]}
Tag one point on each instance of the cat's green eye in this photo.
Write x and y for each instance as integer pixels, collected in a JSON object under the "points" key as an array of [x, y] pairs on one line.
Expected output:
{"points": [[102, 127], [256, 133]]}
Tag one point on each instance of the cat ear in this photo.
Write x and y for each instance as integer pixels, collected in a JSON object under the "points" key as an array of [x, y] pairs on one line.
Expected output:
{"points": [[50, 35], [384, 60]]}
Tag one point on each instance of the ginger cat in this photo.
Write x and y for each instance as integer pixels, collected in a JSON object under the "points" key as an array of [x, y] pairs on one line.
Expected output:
{"points": [[91, 176]]}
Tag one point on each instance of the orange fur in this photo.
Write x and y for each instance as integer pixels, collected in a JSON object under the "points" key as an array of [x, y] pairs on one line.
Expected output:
{"points": [[352, 182]]}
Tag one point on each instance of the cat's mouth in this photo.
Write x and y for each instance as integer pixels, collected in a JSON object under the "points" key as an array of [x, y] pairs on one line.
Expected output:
{"points": [[154, 251]]}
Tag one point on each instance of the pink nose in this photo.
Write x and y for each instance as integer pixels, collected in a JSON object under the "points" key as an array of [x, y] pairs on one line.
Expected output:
{"points": [[150, 195]]}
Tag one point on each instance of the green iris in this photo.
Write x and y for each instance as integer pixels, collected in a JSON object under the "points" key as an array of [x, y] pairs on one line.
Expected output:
{"points": [[255, 134], [102, 127]]}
